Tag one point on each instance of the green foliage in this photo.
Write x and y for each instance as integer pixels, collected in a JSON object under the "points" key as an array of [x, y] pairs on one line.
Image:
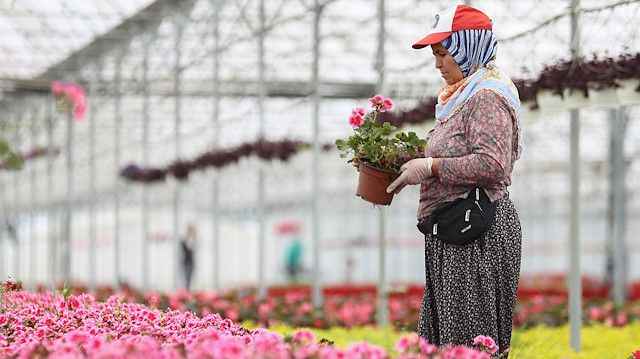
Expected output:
{"points": [[65, 291], [380, 145], [8, 157]]}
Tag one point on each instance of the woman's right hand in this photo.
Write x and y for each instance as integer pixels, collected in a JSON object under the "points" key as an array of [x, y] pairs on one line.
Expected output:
{"points": [[414, 171]]}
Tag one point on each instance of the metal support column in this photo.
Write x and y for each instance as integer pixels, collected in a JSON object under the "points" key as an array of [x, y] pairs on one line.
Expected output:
{"points": [[67, 234], [52, 247], [146, 105], [3, 247], [215, 118], [382, 245], [179, 32], [117, 149], [32, 204], [617, 191], [93, 118], [262, 285], [16, 212], [575, 286], [315, 162]]}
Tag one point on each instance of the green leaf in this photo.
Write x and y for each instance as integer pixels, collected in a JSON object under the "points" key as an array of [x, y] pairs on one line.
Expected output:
{"points": [[4, 147], [14, 161]]}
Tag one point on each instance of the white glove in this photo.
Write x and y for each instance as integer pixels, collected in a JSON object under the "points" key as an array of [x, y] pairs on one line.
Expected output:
{"points": [[414, 171]]}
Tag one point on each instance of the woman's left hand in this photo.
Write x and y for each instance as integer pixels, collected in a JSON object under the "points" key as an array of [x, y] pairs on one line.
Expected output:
{"points": [[414, 171]]}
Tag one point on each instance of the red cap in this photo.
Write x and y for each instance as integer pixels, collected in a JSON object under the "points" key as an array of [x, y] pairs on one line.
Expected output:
{"points": [[461, 17]]}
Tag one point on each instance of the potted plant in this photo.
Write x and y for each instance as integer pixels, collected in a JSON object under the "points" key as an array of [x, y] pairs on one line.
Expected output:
{"points": [[377, 150]]}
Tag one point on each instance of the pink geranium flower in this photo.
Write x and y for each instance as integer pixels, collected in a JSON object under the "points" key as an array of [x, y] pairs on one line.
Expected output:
{"points": [[376, 100], [387, 104], [358, 111], [73, 98], [356, 121]]}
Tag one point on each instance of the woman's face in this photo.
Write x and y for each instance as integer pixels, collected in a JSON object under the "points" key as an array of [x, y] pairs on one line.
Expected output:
{"points": [[447, 66]]}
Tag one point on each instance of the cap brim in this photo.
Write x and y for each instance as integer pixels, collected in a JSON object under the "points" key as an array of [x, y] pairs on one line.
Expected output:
{"points": [[431, 39]]}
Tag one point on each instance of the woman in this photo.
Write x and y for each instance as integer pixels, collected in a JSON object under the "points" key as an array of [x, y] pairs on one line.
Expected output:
{"points": [[470, 290]]}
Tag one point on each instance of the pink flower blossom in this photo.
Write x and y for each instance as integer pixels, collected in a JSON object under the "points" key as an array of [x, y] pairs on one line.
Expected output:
{"points": [[304, 336], [486, 342], [426, 348], [622, 319], [403, 345], [596, 313], [356, 121], [57, 88], [358, 111], [387, 104], [73, 98], [376, 101]]}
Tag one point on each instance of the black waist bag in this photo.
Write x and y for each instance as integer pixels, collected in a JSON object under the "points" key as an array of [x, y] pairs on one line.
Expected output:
{"points": [[462, 221]]}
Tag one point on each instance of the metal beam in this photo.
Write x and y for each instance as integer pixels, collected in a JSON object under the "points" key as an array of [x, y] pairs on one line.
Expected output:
{"points": [[93, 117], [215, 118], [146, 116], [383, 312], [315, 162], [262, 285], [617, 193], [146, 20], [52, 240], [17, 254], [575, 285], [177, 88], [32, 200], [117, 110]]}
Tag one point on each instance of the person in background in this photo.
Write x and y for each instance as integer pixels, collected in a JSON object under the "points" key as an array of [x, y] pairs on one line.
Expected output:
{"points": [[293, 259], [187, 249]]}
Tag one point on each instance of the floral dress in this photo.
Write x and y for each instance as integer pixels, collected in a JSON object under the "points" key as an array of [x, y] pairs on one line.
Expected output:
{"points": [[471, 290]]}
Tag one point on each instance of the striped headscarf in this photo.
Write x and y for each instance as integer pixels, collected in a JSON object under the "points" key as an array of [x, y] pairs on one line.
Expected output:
{"points": [[471, 49]]}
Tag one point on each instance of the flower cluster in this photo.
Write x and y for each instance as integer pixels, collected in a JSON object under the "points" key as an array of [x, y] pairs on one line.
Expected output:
{"points": [[375, 141], [357, 117], [70, 97], [379, 104], [50, 325], [412, 347], [354, 305], [486, 343]]}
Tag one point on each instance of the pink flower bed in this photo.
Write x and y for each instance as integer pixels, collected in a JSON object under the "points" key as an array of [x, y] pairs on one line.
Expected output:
{"points": [[49, 325]]}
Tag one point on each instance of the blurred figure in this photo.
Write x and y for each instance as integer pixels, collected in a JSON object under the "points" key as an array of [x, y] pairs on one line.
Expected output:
{"points": [[187, 249], [293, 259]]}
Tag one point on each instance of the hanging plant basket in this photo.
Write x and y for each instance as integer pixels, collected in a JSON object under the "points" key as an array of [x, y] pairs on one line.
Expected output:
{"points": [[373, 183], [627, 94]]}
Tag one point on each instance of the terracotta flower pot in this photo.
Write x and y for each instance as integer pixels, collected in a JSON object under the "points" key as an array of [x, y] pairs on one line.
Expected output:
{"points": [[373, 183]]}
